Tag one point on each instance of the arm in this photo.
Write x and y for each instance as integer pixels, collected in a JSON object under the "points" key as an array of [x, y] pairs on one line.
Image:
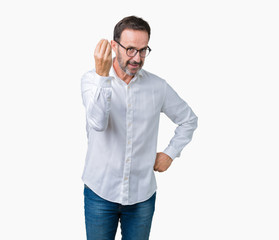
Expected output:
{"points": [[182, 115], [96, 88], [96, 94]]}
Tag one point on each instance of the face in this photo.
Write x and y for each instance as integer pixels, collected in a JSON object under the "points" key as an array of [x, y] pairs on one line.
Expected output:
{"points": [[130, 39]]}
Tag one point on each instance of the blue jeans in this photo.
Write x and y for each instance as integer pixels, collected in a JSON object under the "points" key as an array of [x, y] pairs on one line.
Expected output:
{"points": [[102, 217]]}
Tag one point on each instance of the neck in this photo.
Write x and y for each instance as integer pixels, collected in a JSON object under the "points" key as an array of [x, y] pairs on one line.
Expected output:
{"points": [[120, 73]]}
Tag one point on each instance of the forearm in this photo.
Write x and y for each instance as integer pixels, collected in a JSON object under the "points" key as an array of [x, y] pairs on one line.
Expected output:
{"points": [[183, 135], [96, 95], [185, 119]]}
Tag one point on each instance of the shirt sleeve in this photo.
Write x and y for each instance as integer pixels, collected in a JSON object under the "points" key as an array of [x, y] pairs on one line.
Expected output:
{"points": [[96, 95], [181, 114]]}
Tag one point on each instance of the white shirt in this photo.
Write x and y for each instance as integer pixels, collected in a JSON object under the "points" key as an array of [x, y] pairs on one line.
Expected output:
{"points": [[122, 124]]}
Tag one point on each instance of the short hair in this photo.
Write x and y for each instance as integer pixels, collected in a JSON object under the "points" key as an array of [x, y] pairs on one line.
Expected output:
{"points": [[131, 22]]}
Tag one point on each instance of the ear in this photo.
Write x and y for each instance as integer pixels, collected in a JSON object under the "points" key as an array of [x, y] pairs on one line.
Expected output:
{"points": [[113, 45]]}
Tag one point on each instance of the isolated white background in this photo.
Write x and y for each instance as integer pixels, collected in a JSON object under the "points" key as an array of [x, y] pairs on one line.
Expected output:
{"points": [[220, 56]]}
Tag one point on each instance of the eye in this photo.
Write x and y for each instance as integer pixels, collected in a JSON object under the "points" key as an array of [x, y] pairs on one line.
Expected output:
{"points": [[131, 50]]}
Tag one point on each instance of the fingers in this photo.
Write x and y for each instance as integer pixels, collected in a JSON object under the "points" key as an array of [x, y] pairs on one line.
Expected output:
{"points": [[103, 57], [103, 48], [155, 167], [158, 166], [162, 162], [108, 50], [98, 47], [158, 169]]}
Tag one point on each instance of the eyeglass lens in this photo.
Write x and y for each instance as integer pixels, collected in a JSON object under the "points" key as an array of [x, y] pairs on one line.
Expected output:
{"points": [[131, 52]]}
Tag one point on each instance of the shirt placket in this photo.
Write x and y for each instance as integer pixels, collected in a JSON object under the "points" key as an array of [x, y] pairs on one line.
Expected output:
{"points": [[129, 144]]}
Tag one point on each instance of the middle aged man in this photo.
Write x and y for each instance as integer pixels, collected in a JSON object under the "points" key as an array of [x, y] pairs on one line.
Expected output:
{"points": [[123, 105]]}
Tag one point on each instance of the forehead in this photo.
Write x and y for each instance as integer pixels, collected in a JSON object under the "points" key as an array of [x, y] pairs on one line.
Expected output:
{"points": [[134, 38]]}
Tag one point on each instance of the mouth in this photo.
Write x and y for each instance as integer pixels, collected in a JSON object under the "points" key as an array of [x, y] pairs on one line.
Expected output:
{"points": [[134, 64]]}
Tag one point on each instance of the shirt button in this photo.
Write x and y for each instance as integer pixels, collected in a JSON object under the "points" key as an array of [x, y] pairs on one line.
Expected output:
{"points": [[129, 105], [129, 125], [128, 159], [129, 142], [126, 178]]}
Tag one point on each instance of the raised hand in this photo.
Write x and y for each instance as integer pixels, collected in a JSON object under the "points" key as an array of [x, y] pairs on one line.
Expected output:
{"points": [[103, 58]]}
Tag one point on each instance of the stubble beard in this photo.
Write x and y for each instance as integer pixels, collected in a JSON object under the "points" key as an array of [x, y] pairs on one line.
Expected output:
{"points": [[124, 66]]}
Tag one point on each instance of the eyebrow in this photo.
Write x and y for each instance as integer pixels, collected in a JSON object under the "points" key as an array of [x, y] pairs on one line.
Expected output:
{"points": [[136, 48]]}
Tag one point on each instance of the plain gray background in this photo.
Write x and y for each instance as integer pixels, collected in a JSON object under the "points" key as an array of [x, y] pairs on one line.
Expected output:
{"points": [[220, 56]]}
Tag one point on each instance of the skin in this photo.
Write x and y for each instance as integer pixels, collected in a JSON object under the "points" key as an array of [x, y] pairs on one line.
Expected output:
{"points": [[129, 38], [126, 67]]}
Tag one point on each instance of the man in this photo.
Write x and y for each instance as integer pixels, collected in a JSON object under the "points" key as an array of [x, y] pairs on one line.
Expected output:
{"points": [[123, 104]]}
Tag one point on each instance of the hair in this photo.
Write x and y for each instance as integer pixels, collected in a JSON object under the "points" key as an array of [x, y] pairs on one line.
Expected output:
{"points": [[131, 22]]}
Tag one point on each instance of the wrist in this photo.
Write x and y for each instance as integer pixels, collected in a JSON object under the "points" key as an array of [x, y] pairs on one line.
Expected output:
{"points": [[102, 73]]}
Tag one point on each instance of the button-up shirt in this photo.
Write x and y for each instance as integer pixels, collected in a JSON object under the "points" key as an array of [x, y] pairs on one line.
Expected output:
{"points": [[122, 122]]}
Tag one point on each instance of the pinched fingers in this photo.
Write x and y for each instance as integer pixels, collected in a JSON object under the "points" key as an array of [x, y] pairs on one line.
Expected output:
{"points": [[108, 50], [103, 57], [98, 47], [102, 47]]}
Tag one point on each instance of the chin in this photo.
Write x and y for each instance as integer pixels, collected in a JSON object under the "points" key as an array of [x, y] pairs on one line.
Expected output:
{"points": [[131, 73]]}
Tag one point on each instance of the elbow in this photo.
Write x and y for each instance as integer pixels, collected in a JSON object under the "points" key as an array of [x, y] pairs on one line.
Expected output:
{"points": [[97, 118], [98, 126], [190, 124], [195, 122]]}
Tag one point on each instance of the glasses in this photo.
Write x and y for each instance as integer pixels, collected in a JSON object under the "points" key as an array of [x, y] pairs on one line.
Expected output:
{"points": [[131, 52]]}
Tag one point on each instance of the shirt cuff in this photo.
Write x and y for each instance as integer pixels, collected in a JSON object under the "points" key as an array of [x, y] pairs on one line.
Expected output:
{"points": [[103, 82], [172, 152]]}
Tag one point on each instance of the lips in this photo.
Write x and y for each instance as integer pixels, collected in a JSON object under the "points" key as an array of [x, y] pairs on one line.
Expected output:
{"points": [[134, 65]]}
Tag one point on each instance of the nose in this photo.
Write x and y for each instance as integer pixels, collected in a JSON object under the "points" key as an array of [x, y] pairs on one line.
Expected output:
{"points": [[137, 58]]}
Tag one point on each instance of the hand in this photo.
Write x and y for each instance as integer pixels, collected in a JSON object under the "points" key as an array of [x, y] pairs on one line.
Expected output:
{"points": [[103, 58], [162, 162]]}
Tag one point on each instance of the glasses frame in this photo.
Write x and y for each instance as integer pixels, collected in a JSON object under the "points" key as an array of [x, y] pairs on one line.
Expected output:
{"points": [[149, 49]]}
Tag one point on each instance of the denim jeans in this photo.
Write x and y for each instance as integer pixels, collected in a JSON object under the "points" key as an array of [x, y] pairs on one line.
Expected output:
{"points": [[102, 217]]}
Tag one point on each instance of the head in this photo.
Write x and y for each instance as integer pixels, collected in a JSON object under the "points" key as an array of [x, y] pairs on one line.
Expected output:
{"points": [[130, 32]]}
